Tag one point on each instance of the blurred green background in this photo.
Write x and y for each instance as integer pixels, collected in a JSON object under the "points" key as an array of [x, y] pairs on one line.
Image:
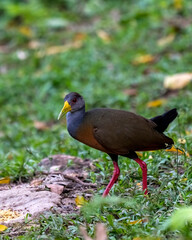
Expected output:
{"points": [[115, 53]]}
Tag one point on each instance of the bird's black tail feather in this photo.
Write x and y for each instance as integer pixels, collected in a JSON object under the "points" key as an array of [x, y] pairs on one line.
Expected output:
{"points": [[163, 120]]}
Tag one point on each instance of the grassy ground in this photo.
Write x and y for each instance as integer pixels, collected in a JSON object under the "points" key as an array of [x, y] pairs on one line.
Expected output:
{"points": [[101, 49]]}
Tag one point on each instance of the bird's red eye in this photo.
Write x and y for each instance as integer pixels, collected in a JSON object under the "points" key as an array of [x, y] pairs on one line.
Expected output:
{"points": [[74, 100]]}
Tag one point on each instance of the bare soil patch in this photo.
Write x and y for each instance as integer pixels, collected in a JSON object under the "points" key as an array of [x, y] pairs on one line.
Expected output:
{"points": [[63, 178]]}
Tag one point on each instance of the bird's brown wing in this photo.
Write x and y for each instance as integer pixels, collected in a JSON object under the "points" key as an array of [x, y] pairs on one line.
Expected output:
{"points": [[122, 131]]}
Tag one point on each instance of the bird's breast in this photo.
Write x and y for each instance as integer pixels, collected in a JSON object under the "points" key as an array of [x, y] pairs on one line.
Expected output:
{"points": [[85, 134]]}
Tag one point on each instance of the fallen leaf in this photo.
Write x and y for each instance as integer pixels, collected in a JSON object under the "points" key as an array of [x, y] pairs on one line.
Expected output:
{"points": [[138, 221], [183, 179], [34, 44], [56, 188], [156, 103], [3, 228], [36, 182], [166, 40], [189, 132], [40, 125], [80, 36], [80, 201], [177, 81], [178, 4], [139, 185], [104, 36], [142, 59], [60, 49], [5, 180], [26, 31], [130, 92]]}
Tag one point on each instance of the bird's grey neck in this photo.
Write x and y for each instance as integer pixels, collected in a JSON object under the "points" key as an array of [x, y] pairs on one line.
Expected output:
{"points": [[74, 119]]}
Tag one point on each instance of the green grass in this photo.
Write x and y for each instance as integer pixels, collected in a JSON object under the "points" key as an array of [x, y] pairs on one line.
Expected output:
{"points": [[33, 89]]}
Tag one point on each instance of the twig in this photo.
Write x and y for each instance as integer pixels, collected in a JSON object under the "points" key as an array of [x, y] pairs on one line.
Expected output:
{"points": [[75, 179]]}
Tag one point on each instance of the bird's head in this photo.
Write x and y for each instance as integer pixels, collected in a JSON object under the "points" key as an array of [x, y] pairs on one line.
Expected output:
{"points": [[72, 103]]}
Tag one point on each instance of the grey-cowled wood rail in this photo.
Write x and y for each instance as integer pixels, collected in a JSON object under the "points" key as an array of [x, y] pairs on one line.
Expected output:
{"points": [[116, 132]]}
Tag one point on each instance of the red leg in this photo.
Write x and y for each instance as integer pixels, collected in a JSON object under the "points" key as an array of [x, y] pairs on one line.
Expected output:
{"points": [[143, 166], [114, 178]]}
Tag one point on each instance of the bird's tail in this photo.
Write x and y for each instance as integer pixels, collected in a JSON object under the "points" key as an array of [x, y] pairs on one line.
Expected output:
{"points": [[163, 120]]}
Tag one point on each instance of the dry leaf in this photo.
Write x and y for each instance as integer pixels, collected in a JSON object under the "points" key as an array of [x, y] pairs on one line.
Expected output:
{"points": [[178, 4], [40, 125], [189, 131], [138, 221], [80, 201], [60, 49], [5, 180], [166, 40], [26, 31], [139, 185], [148, 58], [183, 179], [104, 36], [36, 182], [34, 44], [3, 228], [80, 36], [130, 92], [177, 81], [156, 103], [56, 188]]}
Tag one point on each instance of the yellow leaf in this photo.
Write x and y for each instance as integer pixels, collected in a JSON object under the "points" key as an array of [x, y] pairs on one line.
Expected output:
{"points": [[177, 81], [178, 4], [26, 31], [137, 238], [156, 103], [136, 221], [166, 40], [183, 179], [3, 228], [104, 36], [60, 49], [5, 180], [80, 201], [139, 185], [148, 58], [80, 36]]}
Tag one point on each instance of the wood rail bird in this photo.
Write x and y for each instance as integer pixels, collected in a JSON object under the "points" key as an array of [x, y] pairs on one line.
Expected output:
{"points": [[116, 132]]}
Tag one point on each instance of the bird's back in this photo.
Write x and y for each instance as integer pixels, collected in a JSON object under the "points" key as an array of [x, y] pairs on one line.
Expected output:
{"points": [[118, 131]]}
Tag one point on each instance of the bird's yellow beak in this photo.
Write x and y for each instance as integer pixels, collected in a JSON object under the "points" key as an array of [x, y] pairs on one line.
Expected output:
{"points": [[66, 108]]}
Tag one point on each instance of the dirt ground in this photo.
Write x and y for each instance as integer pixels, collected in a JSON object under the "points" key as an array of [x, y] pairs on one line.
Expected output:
{"points": [[63, 178]]}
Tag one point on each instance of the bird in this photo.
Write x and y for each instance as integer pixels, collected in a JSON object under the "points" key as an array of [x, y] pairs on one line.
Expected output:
{"points": [[116, 132]]}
